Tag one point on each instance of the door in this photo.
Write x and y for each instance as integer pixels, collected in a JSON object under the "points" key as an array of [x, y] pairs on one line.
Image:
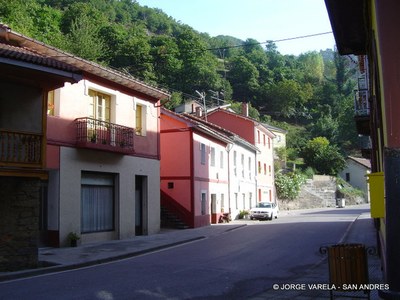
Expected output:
{"points": [[140, 205]]}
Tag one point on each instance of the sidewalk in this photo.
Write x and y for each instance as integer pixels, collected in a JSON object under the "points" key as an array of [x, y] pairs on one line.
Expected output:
{"points": [[306, 286], [60, 259]]}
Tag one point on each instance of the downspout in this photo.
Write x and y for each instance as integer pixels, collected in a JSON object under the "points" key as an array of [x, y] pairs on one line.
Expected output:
{"points": [[228, 149], [192, 204]]}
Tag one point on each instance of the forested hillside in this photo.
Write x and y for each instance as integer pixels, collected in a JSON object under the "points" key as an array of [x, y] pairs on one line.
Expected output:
{"points": [[310, 94]]}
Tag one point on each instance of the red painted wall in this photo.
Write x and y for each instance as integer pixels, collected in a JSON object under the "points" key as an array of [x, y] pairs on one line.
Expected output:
{"points": [[389, 50], [175, 140], [234, 123]]}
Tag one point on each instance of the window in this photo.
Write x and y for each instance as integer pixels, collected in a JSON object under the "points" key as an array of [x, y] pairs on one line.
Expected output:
{"points": [[212, 162], [221, 159], [234, 163], [50, 103], [264, 140], [258, 137], [242, 164], [97, 202], [99, 106], [249, 165], [203, 153], [222, 202], [269, 170], [203, 203], [213, 203], [140, 119], [259, 167], [265, 169], [269, 143], [236, 201]]}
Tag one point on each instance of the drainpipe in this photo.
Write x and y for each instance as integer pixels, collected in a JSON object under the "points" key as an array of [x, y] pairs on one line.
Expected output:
{"points": [[228, 149]]}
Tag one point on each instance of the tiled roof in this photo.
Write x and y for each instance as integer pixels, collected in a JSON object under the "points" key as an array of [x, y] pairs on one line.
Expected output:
{"points": [[255, 122], [362, 161], [7, 36], [223, 131], [210, 128], [25, 55]]}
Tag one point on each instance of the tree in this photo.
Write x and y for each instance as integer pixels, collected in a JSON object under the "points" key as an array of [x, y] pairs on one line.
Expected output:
{"points": [[83, 39], [199, 67], [323, 157], [286, 98], [175, 100], [312, 66], [243, 76], [166, 62]]}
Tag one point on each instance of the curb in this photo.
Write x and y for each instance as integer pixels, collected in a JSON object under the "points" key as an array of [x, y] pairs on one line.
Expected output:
{"points": [[61, 268], [67, 267]]}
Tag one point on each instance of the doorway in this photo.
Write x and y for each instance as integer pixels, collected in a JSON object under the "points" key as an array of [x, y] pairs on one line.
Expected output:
{"points": [[140, 205]]}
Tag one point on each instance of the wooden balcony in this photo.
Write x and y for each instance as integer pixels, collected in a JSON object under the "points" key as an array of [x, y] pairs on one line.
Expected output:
{"points": [[21, 149], [102, 135]]}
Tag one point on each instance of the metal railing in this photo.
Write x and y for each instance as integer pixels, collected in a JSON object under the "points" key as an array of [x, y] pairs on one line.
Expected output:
{"points": [[361, 103], [100, 134], [20, 148]]}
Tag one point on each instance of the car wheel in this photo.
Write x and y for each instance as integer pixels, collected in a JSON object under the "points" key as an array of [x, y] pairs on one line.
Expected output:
{"points": [[272, 216]]}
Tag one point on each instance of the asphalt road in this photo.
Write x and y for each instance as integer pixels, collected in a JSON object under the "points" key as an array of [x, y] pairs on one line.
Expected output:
{"points": [[235, 265]]}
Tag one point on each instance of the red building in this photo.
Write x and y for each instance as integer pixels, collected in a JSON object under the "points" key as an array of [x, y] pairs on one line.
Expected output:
{"points": [[258, 135]]}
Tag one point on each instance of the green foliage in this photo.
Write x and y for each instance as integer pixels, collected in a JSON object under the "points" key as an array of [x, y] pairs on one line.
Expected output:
{"points": [[348, 191], [309, 172], [312, 90], [83, 41], [175, 100], [243, 213], [323, 157], [288, 185]]}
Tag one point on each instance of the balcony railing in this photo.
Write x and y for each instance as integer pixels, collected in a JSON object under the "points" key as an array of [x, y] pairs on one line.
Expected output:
{"points": [[102, 135], [361, 103], [20, 149]]}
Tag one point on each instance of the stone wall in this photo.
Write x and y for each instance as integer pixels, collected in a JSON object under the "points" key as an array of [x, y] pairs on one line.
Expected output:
{"points": [[19, 222], [315, 193]]}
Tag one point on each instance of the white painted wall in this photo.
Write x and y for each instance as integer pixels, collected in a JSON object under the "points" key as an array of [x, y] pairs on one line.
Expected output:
{"points": [[74, 161]]}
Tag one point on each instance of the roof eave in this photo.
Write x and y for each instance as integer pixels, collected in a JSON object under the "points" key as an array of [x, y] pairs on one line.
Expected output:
{"points": [[87, 66], [349, 24]]}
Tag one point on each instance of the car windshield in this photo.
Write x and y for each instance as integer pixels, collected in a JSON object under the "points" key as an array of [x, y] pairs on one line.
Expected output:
{"points": [[264, 204]]}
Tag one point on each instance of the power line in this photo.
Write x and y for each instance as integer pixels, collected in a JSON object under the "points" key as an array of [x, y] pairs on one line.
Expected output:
{"points": [[269, 41]]}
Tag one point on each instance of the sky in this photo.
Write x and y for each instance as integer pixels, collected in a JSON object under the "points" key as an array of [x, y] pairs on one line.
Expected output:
{"points": [[262, 20]]}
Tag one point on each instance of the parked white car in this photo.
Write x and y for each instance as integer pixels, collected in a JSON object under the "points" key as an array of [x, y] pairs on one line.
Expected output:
{"points": [[264, 211]]}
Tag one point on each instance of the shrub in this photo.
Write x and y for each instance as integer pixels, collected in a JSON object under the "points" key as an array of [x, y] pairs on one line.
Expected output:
{"points": [[288, 185]]}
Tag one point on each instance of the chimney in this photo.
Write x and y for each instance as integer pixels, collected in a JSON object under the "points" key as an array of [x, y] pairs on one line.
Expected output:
{"points": [[199, 111], [245, 109]]}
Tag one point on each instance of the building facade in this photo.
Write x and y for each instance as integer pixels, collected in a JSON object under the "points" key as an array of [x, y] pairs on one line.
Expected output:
{"points": [[365, 28], [260, 137], [26, 78], [102, 145], [103, 162], [356, 174], [194, 169]]}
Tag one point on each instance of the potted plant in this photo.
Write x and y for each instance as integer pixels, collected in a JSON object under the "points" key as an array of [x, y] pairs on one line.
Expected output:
{"points": [[73, 238], [243, 214]]}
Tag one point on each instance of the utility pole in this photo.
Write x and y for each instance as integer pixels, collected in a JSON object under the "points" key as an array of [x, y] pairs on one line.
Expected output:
{"points": [[203, 98]]}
